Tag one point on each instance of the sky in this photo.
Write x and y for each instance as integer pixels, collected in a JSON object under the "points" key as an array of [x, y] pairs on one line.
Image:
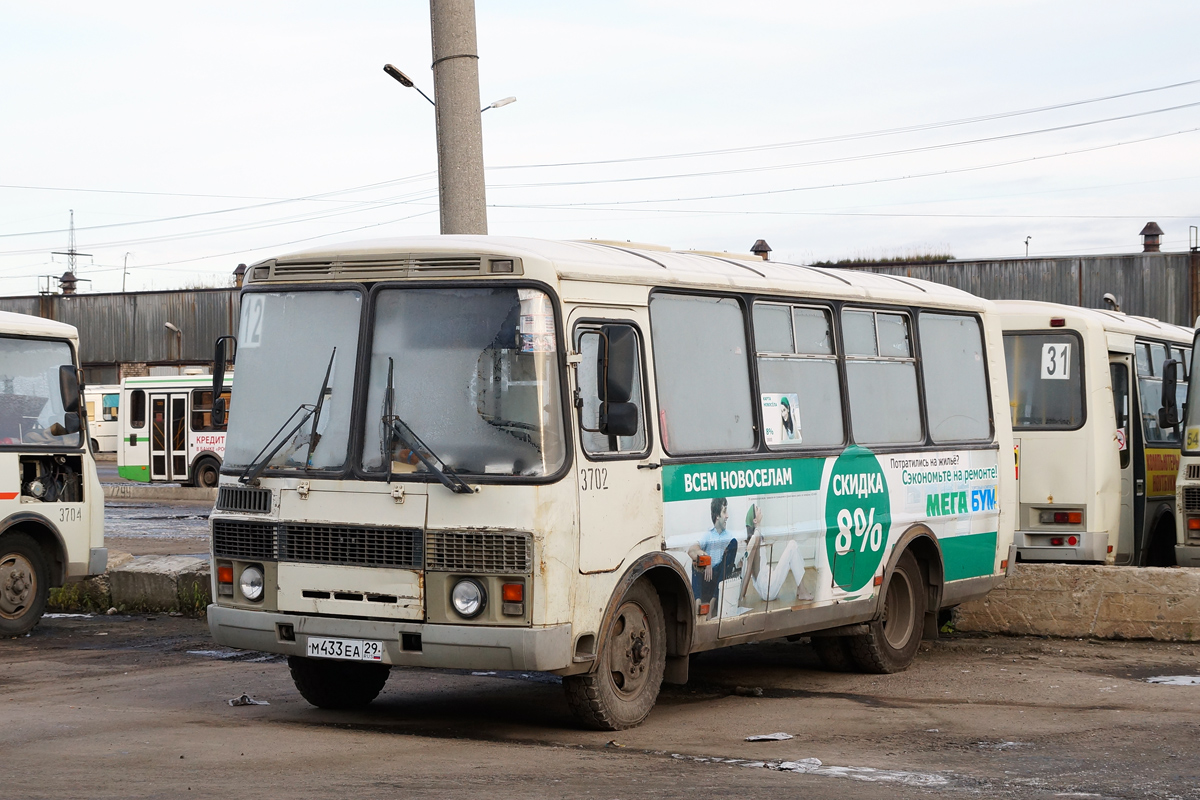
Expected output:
{"points": [[188, 138]]}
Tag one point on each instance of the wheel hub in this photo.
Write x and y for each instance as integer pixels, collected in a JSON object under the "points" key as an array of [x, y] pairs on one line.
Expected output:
{"points": [[631, 649], [17, 586]]}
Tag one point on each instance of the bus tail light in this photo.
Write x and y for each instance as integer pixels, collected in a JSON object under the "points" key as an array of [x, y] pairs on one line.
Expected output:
{"points": [[1194, 523], [225, 579], [512, 596], [1060, 517], [1057, 541]]}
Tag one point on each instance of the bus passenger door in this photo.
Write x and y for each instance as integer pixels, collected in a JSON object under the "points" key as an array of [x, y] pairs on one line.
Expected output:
{"points": [[1118, 366], [168, 437], [620, 503]]}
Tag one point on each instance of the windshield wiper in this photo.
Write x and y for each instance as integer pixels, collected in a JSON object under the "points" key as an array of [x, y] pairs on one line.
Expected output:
{"points": [[259, 463], [398, 428]]}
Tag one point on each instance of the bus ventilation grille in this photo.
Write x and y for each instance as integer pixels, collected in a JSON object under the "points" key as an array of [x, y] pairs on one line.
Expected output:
{"points": [[1193, 472], [244, 498], [1191, 499], [352, 545], [246, 540], [479, 552]]}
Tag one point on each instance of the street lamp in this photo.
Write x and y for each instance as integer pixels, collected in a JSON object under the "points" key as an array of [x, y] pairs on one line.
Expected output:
{"points": [[498, 103], [178, 335], [405, 81]]}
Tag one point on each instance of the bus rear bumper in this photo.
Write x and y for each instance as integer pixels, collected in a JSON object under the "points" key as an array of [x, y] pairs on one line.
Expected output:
{"points": [[544, 649], [1187, 555], [1035, 546]]}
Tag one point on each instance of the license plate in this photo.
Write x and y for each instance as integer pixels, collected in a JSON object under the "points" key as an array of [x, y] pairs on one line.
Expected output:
{"points": [[345, 649]]}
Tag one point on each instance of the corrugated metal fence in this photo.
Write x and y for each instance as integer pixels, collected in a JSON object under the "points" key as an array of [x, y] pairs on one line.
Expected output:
{"points": [[122, 328], [1158, 285]]}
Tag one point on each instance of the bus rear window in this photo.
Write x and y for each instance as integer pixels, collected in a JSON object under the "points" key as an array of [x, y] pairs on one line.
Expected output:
{"points": [[1045, 382]]}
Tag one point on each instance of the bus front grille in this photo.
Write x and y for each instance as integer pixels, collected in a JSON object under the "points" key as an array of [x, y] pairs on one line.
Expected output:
{"points": [[1191, 498], [352, 545], [1193, 472], [479, 552], [245, 540], [244, 498]]}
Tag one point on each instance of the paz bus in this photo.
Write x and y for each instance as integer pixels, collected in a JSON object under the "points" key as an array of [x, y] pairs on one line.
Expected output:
{"points": [[1187, 499], [594, 459], [1096, 468], [51, 503], [103, 401], [166, 430]]}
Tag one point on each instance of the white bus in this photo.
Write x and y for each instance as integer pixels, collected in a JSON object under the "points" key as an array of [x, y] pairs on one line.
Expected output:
{"points": [[167, 433], [1096, 470], [103, 401], [51, 503], [593, 459], [1187, 499]]}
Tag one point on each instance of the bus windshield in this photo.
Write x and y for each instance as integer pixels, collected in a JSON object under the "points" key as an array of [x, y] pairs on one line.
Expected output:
{"points": [[473, 372], [287, 343], [1150, 357], [29, 394]]}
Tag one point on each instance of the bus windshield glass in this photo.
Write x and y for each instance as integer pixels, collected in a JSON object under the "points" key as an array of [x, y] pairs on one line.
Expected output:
{"points": [[29, 395], [474, 373], [287, 343], [1045, 382]]}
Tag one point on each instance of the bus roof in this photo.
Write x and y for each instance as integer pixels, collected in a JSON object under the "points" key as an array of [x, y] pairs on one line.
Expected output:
{"points": [[1110, 321], [26, 325], [600, 261]]}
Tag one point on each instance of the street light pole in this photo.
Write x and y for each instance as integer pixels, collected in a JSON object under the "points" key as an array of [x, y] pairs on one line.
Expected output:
{"points": [[459, 130]]}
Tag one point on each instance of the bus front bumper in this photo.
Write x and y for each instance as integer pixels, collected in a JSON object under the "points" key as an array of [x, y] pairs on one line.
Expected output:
{"points": [[1187, 555], [1036, 546], [543, 649]]}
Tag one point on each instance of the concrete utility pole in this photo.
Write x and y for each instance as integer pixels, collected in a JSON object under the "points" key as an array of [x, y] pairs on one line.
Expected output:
{"points": [[459, 132]]}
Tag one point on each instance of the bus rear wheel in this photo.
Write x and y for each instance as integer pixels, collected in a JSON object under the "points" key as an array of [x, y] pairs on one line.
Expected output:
{"points": [[24, 584], [207, 473], [622, 690], [337, 685], [892, 640]]}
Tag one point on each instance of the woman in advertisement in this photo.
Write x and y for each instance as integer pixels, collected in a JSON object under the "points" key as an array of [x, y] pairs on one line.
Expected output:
{"points": [[766, 578]]}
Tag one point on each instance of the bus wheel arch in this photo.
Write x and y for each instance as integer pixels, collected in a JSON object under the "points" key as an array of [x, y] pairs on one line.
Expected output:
{"points": [[25, 577], [49, 540], [645, 627]]}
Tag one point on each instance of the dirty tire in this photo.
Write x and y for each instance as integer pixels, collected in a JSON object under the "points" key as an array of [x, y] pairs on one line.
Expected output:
{"points": [[622, 690], [1161, 552], [337, 684], [207, 473], [24, 584], [892, 640], [95, 446], [834, 653]]}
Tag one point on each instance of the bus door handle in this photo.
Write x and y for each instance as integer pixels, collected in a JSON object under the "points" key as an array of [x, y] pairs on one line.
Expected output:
{"points": [[133, 440], [651, 465], [1140, 487]]}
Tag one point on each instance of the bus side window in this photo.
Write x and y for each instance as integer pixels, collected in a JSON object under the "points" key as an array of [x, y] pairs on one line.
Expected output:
{"points": [[703, 375], [202, 410], [952, 366], [1120, 387], [588, 342], [882, 376], [798, 376], [137, 409], [108, 407]]}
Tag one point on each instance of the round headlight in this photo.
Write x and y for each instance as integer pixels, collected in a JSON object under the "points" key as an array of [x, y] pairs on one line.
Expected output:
{"points": [[251, 583], [468, 597]]}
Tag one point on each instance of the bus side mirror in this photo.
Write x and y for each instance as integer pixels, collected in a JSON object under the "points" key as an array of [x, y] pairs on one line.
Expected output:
{"points": [[1168, 414], [615, 372], [68, 388], [220, 359]]}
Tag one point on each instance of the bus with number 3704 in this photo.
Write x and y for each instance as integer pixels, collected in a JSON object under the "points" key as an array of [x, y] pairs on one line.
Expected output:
{"points": [[596, 458]]}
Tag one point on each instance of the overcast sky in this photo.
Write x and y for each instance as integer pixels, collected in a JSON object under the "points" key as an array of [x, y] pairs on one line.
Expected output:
{"points": [[190, 138]]}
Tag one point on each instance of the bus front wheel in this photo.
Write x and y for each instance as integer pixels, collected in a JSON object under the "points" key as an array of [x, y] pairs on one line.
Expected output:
{"points": [[24, 584], [337, 684], [207, 473], [622, 690], [891, 640]]}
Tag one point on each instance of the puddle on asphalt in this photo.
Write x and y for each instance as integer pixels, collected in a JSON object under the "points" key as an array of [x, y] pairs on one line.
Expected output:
{"points": [[813, 766], [1175, 680]]}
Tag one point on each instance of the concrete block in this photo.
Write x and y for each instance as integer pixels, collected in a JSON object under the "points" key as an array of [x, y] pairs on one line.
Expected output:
{"points": [[162, 583], [1079, 601], [91, 594], [157, 491]]}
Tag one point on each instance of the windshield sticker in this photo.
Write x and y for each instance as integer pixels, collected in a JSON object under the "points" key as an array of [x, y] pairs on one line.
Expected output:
{"points": [[1056, 362], [781, 418], [1192, 437], [787, 534]]}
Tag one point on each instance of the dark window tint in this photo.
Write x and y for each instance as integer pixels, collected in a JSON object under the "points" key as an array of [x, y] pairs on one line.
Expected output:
{"points": [[137, 409]]}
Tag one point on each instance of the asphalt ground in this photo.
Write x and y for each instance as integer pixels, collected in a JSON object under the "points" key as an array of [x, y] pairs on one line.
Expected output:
{"points": [[138, 707]]}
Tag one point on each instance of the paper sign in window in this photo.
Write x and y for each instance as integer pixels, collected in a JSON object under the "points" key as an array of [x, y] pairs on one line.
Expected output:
{"points": [[1056, 362], [781, 418]]}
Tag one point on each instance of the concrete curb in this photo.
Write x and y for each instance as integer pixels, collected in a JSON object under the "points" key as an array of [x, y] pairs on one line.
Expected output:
{"points": [[141, 583], [1078, 601], [156, 491]]}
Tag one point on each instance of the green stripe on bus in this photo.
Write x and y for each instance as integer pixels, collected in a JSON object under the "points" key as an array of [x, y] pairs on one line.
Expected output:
{"points": [[970, 556], [699, 481], [135, 473]]}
